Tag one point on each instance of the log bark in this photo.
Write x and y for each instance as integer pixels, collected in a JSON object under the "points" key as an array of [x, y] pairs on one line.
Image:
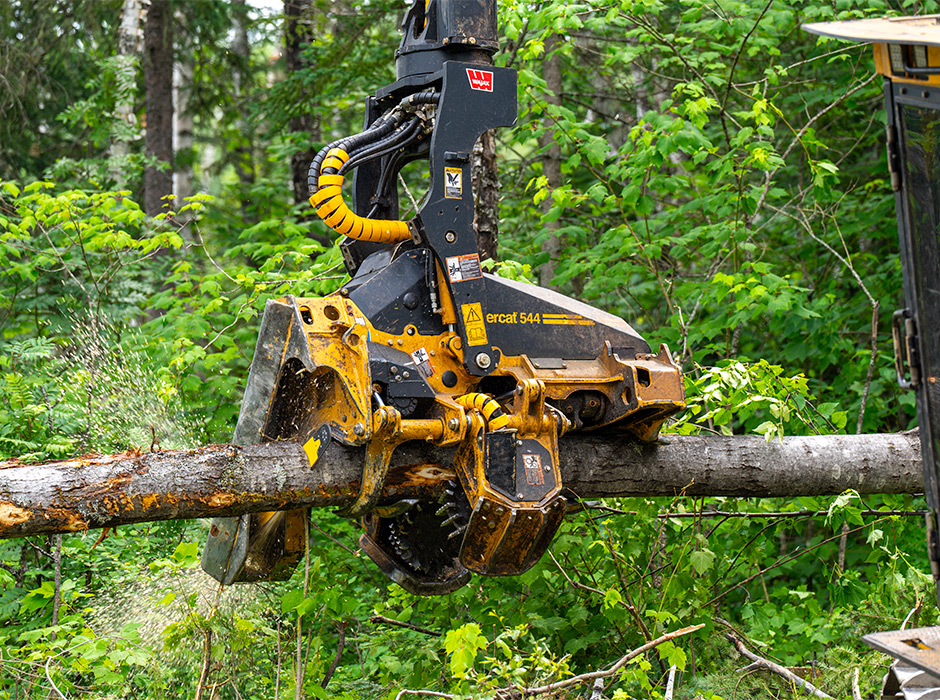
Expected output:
{"points": [[111, 490]]}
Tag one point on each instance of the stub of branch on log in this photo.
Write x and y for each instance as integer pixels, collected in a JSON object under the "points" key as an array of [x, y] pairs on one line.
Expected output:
{"points": [[111, 490]]}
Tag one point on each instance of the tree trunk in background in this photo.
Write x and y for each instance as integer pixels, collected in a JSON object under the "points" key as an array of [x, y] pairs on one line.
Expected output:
{"points": [[243, 157], [129, 45], [486, 194], [183, 136], [297, 35], [158, 102], [551, 158]]}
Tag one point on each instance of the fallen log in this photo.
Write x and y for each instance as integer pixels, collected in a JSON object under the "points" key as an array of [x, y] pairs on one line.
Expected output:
{"points": [[111, 490]]}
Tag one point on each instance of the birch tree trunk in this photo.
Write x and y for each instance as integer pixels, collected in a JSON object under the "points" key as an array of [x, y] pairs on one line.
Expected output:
{"points": [[130, 39], [183, 134]]}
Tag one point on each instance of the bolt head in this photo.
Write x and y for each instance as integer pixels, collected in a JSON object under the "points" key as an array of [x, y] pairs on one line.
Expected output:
{"points": [[483, 360], [450, 236], [359, 429]]}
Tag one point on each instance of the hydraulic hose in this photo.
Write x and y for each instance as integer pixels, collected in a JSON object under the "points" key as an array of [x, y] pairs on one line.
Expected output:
{"points": [[381, 148], [328, 169], [381, 128], [491, 410], [328, 201]]}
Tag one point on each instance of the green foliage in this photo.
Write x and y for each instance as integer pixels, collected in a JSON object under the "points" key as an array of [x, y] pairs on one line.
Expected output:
{"points": [[756, 398], [723, 190]]}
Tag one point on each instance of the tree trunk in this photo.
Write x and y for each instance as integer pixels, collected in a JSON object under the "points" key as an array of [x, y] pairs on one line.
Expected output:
{"points": [[112, 490], [158, 100], [486, 194], [243, 156], [183, 135], [297, 35], [551, 158], [129, 40]]}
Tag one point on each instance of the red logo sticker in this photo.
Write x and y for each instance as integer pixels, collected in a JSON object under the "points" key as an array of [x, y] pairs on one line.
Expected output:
{"points": [[480, 79]]}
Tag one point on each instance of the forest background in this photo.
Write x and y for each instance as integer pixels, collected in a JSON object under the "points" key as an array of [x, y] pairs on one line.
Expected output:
{"points": [[704, 169]]}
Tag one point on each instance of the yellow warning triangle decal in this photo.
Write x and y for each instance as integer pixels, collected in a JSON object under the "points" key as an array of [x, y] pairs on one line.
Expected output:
{"points": [[471, 313]]}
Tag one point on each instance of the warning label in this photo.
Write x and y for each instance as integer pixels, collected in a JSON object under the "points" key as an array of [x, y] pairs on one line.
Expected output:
{"points": [[461, 268], [473, 322], [533, 469], [453, 183], [422, 362]]}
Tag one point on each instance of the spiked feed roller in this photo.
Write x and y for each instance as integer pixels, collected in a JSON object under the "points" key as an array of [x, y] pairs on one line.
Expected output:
{"points": [[422, 344]]}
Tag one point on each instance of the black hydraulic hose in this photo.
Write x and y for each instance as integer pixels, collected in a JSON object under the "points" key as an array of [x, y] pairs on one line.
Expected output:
{"points": [[327, 170], [428, 97], [382, 127], [381, 190], [405, 133]]}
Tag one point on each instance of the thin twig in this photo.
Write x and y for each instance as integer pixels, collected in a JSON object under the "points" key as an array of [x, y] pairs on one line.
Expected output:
{"points": [[411, 198], [381, 619], [670, 683], [768, 178], [427, 693], [574, 583], [277, 676], [299, 671], [355, 552], [785, 514], [875, 304], [588, 677], [206, 664], [761, 662], [340, 645], [856, 691], [781, 562], [913, 612], [737, 55], [211, 259], [51, 682]]}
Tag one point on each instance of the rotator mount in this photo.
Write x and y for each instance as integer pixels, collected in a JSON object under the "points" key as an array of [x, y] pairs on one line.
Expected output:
{"points": [[446, 30], [448, 94]]}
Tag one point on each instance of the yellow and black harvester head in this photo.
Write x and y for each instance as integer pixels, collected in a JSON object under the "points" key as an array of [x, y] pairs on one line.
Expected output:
{"points": [[422, 344]]}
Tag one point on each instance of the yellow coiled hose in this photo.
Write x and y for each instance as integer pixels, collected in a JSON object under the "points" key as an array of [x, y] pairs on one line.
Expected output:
{"points": [[491, 410], [329, 205]]}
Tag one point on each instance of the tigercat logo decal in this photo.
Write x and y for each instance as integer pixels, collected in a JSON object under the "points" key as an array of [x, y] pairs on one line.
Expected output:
{"points": [[480, 79]]}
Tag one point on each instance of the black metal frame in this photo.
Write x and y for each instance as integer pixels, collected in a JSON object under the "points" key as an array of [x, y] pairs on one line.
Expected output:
{"points": [[917, 327]]}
